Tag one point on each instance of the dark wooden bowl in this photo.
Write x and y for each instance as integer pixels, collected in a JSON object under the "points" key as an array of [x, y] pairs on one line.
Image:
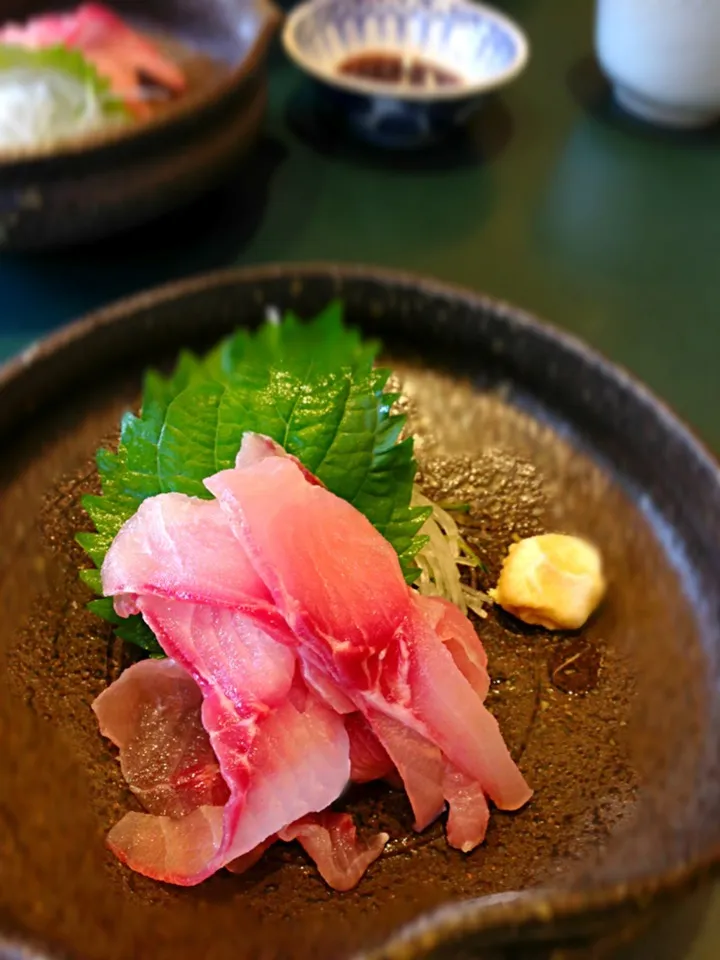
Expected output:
{"points": [[623, 754], [96, 185]]}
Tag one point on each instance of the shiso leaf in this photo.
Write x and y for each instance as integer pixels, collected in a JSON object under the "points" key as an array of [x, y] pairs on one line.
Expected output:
{"points": [[58, 58], [311, 386]]}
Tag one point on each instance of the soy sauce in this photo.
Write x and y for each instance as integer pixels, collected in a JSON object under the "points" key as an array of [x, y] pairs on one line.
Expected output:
{"points": [[391, 68]]}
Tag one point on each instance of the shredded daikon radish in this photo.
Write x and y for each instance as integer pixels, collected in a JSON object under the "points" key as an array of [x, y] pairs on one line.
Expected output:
{"points": [[39, 107], [440, 559], [476, 600]]}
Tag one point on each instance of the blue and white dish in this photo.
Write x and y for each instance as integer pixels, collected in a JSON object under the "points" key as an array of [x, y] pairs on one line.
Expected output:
{"points": [[481, 47]]}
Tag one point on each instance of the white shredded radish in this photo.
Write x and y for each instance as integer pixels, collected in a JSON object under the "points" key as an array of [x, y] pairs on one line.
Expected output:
{"points": [[39, 107], [476, 600], [440, 559]]}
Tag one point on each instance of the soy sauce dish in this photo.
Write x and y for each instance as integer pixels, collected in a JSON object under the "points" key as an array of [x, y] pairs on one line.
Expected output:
{"points": [[405, 72], [607, 737]]}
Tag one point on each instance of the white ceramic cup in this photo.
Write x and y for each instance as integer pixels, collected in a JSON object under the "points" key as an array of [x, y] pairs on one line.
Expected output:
{"points": [[662, 57]]}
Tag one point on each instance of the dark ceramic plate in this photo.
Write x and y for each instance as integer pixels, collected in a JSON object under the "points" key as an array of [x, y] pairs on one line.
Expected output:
{"points": [[92, 186], [615, 727]]}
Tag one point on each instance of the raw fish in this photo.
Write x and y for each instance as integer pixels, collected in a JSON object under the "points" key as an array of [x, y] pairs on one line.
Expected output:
{"points": [[152, 713], [330, 839], [315, 663], [282, 752]]}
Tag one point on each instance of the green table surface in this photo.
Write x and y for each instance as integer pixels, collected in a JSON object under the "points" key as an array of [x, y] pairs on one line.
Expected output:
{"points": [[553, 200]]}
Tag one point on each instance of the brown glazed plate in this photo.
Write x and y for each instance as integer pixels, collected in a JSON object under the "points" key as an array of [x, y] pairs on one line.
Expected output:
{"points": [[92, 186], [615, 727]]}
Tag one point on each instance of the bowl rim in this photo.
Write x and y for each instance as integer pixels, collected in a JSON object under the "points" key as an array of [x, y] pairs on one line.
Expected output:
{"points": [[270, 16], [375, 89]]}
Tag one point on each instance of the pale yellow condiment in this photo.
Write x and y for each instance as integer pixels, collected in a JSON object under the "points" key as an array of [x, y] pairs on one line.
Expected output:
{"points": [[554, 580]]}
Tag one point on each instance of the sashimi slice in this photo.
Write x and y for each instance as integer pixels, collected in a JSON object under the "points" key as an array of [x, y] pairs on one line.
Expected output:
{"points": [[301, 760], [169, 849], [468, 813], [310, 769], [255, 447], [300, 539], [299, 763], [282, 753], [456, 720], [419, 763], [152, 713], [327, 689], [338, 584], [223, 650], [460, 638], [183, 548], [368, 758], [430, 781], [247, 860], [330, 839], [99, 30]]}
